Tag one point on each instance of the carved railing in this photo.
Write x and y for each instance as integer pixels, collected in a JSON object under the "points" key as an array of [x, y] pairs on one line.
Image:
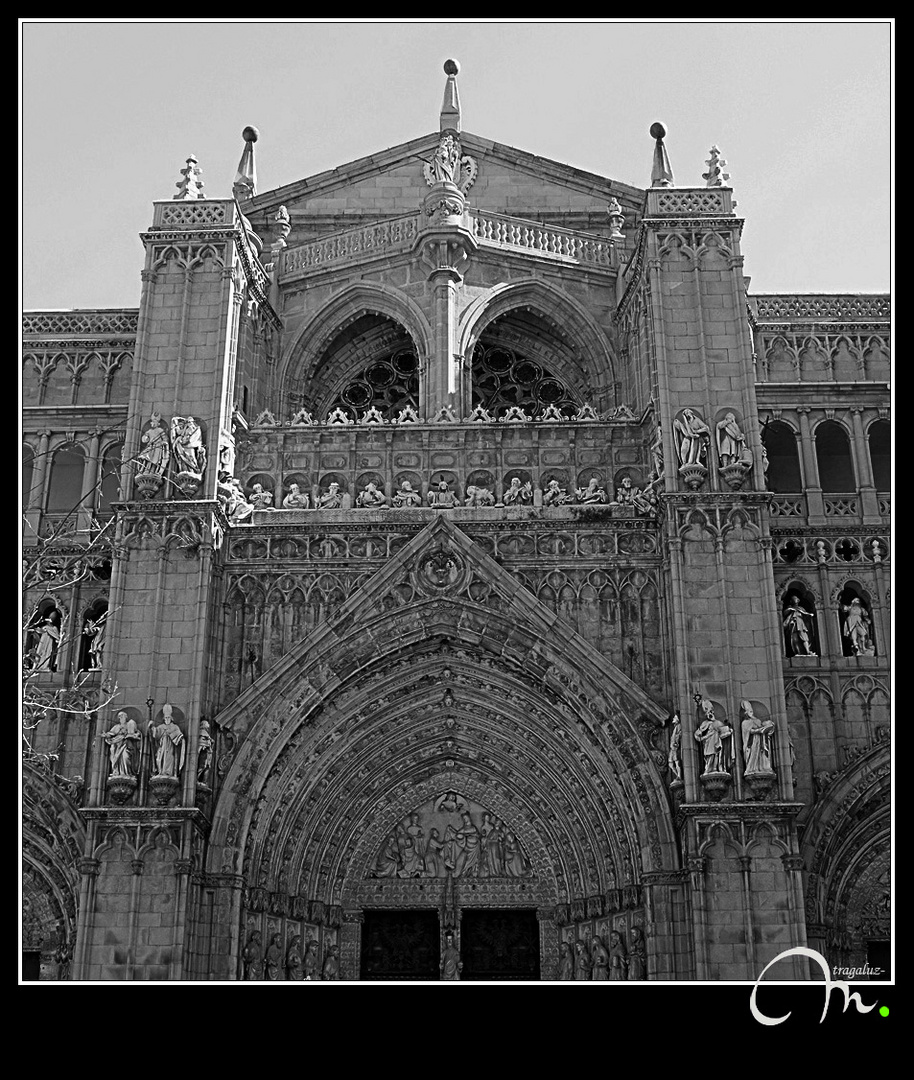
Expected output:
{"points": [[788, 506], [498, 230], [840, 505], [885, 505], [823, 307], [85, 323], [382, 238], [690, 201], [192, 213]]}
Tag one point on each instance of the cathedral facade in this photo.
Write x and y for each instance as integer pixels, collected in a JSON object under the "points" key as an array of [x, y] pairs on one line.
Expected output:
{"points": [[451, 571]]}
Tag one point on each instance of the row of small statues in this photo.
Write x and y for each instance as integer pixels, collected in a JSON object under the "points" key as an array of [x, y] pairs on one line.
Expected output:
{"points": [[715, 737], [514, 414], [593, 961], [125, 741], [300, 964], [518, 493]]}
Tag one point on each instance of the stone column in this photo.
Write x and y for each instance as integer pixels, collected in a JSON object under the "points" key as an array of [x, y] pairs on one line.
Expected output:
{"points": [[815, 505], [869, 508]]}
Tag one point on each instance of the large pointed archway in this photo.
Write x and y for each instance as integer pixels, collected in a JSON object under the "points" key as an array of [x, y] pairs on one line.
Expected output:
{"points": [[441, 677]]}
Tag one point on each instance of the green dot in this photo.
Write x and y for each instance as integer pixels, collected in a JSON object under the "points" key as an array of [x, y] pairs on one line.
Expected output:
{"points": [[884, 1011]]}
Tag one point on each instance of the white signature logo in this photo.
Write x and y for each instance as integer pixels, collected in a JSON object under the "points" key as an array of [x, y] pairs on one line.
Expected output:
{"points": [[830, 985]]}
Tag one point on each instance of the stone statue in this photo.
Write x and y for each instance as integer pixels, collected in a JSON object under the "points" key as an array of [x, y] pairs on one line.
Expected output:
{"points": [[674, 760], [260, 499], [95, 631], [600, 959], [331, 499], [450, 959], [154, 456], [274, 959], [582, 962], [445, 165], [618, 957], [657, 455], [407, 496], [731, 443], [565, 972], [795, 617], [693, 434], [123, 741], [468, 843], [442, 498], [331, 972], [204, 752], [370, 498], [387, 863], [857, 627], [311, 966], [637, 958], [554, 495], [187, 445], [237, 508], [169, 741], [518, 494], [252, 958], [296, 499], [714, 736], [479, 496], [515, 863], [294, 972], [593, 493], [433, 857], [627, 495], [756, 740], [48, 642]]}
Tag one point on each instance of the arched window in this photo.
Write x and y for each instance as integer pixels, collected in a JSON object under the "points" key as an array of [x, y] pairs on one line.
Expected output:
{"points": [[28, 472], [503, 378], [109, 479], [881, 455], [66, 484], [783, 475], [833, 454], [387, 384]]}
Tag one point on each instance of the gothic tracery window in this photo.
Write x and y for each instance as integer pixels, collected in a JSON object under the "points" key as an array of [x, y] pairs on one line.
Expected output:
{"points": [[388, 385], [503, 377]]}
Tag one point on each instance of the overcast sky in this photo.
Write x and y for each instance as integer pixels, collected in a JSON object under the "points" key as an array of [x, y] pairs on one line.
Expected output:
{"points": [[110, 111]]}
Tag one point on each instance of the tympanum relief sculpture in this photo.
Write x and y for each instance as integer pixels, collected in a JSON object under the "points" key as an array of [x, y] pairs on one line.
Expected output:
{"points": [[451, 836]]}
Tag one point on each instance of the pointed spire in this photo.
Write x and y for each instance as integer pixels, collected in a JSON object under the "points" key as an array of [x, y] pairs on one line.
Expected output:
{"points": [[245, 184], [450, 107], [715, 176], [662, 171], [191, 187]]}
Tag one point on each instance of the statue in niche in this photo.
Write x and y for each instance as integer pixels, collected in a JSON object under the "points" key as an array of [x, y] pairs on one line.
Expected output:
{"points": [[331, 972], [492, 862], [407, 496], [479, 496], [331, 499], [466, 861], [414, 864], [442, 498], [674, 759], [518, 494], [274, 959], [857, 627], [627, 495], [48, 643], [593, 493], [123, 741], [204, 752], [154, 456], [294, 972], [237, 508], [582, 962], [311, 965], [693, 435], [637, 959], [566, 963], [756, 740], [515, 864], [260, 499], [451, 965], [555, 495], [370, 498], [600, 960], [187, 445], [296, 499], [618, 957], [169, 742], [252, 958], [95, 631], [731, 443], [795, 622], [388, 862], [714, 736], [434, 855]]}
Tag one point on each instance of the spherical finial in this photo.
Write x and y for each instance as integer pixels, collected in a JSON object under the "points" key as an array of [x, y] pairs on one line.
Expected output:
{"points": [[250, 134], [451, 67], [658, 130]]}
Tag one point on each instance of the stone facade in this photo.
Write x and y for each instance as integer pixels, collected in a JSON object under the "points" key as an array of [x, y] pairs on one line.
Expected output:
{"points": [[448, 538]]}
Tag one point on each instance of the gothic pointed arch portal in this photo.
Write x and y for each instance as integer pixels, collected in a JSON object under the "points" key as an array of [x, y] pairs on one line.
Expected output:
{"points": [[441, 681]]}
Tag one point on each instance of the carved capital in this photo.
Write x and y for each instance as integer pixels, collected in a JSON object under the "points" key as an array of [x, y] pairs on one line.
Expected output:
{"points": [[354, 917], [792, 862], [90, 867], [184, 866], [136, 866]]}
